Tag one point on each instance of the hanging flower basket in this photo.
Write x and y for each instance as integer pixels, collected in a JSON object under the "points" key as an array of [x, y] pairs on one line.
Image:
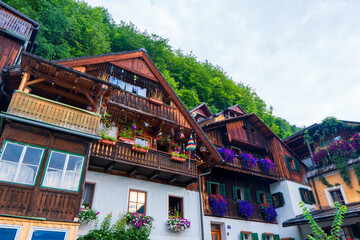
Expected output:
{"points": [[218, 205], [245, 209], [155, 101], [268, 212], [139, 149], [107, 142]]}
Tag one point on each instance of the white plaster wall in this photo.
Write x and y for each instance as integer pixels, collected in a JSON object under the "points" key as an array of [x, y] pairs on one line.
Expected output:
{"points": [[111, 195], [291, 206], [236, 227]]}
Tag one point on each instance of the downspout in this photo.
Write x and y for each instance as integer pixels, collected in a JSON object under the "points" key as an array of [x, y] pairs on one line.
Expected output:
{"points": [[201, 200], [316, 194]]}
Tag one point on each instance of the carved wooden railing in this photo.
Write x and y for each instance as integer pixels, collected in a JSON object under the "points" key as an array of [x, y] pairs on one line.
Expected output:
{"points": [[48, 111], [15, 24], [153, 159], [256, 169]]}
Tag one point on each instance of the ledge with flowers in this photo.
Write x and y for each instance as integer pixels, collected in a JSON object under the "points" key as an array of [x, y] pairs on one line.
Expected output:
{"points": [[177, 223], [247, 161]]}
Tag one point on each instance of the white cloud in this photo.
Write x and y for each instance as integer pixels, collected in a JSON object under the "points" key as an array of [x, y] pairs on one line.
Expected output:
{"points": [[300, 56]]}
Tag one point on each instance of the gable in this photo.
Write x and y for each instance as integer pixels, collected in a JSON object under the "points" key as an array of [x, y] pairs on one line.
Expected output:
{"points": [[136, 65], [237, 109]]}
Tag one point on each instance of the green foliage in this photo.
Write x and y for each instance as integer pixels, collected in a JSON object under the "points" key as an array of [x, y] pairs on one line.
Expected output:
{"points": [[335, 228], [357, 171], [324, 181], [328, 126], [342, 165], [121, 230], [73, 28], [86, 216]]}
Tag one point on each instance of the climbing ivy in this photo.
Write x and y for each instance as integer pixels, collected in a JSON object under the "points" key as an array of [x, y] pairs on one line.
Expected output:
{"points": [[357, 171], [324, 181], [342, 166], [317, 231]]}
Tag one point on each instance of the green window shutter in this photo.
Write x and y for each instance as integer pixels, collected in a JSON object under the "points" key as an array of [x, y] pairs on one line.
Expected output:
{"points": [[269, 198], [247, 194], [255, 236], [263, 236], [297, 165], [276, 237], [234, 193], [302, 194], [287, 162], [222, 189], [258, 196], [208, 188], [241, 236], [281, 199], [311, 196]]}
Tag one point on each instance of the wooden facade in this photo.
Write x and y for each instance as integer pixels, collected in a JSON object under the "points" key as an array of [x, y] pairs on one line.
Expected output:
{"points": [[37, 201]]}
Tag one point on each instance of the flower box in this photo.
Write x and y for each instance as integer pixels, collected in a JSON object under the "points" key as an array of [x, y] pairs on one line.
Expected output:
{"points": [[177, 159], [125, 140], [155, 101], [107, 142], [139, 149]]}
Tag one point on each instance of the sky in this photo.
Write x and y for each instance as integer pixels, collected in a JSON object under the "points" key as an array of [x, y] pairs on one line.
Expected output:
{"points": [[301, 56]]}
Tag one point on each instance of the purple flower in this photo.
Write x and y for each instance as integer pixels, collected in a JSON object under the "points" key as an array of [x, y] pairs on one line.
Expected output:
{"points": [[269, 212], [245, 209], [247, 160], [266, 165], [218, 205], [227, 154]]}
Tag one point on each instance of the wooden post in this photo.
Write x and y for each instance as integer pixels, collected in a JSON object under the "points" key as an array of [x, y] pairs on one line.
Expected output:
{"points": [[24, 79]]}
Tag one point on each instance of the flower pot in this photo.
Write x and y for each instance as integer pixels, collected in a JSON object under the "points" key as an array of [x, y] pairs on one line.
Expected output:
{"points": [[108, 142], [155, 101], [139, 150], [125, 140], [177, 159]]}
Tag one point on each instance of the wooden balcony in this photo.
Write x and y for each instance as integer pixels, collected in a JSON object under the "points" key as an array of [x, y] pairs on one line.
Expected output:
{"points": [[257, 170], [52, 112], [14, 24], [153, 164], [144, 106]]}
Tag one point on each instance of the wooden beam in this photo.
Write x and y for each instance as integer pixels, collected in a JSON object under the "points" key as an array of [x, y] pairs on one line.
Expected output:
{"points": [[173, 179], [24, 79], [110, 167], [154, 175], [133, 171], [35, 81], [61, 93], [90, 100]]}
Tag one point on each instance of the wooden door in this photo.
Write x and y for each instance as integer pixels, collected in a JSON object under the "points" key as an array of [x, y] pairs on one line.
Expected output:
{"points": [[215, 232]]}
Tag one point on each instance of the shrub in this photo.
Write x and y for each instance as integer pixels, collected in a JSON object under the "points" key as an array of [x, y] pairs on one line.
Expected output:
{"points": [[269, 212], [227, 154], [245, 209], [218, 205]]}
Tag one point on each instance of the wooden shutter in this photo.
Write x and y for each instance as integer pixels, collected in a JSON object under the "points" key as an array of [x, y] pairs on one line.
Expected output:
{"points": [[208, 188], [287, 162], [222, 189], [255, 236], [297, 165], [263, 236], [247, 194], [241, 236], [302, 194], [276, 237], [281, 199], [269, 198], [311, 196], [258, 200], [234, 193]]}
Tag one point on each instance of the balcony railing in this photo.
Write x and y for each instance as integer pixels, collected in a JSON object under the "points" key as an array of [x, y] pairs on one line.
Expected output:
{"points": [[152, 159], [12, 23], [52, 112], [257, 169]]}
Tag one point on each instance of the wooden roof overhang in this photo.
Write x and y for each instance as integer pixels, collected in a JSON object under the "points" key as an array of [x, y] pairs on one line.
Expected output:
{"points": [[212, 155]]}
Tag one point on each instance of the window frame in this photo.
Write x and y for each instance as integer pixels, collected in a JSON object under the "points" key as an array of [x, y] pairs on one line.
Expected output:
{"points": [[68, 154], [309, 194], [269, 235], [92, 196], [245, 193], [292, 164], [17, 227], [278, 196], [22, 158], [182, 205], [137, 191], [32, 229], [329, 195], [246, 232]]}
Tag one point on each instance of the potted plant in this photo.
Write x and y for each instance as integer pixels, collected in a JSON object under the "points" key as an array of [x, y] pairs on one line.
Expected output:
{"points": [[268, 212], [227, 154], [247, 160], [86, 216], [177, 223], [178, 157], [107, 139], [266, 165], [156, 97], [126, 135], [138, 220], [140, 148], [218, 205], [245, 209], [165, 140]]}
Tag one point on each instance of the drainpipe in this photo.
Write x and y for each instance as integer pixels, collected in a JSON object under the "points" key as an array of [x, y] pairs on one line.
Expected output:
{"points": [[201, 200], [316, 194]]}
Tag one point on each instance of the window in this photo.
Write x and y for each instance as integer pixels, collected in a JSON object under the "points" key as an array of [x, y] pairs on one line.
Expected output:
{"points": [[240, 193], [263, 197], [292, 163], [267, 236], [176, 206], [19, 163], [38, 233], [214, 188], [137, 201], [88, 195], [307, 196], [63, 171], [245, 236], [142, 141], [215, 232], [278, 199], [9, 232], [337, 196]]}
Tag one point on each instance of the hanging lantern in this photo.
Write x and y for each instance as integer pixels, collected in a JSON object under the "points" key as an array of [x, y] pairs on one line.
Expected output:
{"points": [[191, 145], [181, 134], [133, 126]]}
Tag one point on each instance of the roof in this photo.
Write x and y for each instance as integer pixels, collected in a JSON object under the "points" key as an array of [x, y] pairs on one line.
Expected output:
{"points": [[13, 10], [230, 108], [353, 210], [203, 106]]}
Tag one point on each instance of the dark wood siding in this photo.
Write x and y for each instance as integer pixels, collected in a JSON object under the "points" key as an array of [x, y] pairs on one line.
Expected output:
{"points": [[34, 201], [9, 49]]}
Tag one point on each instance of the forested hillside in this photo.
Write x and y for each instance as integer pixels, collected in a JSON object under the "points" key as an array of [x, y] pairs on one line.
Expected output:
{"points": [[70, 28]]}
